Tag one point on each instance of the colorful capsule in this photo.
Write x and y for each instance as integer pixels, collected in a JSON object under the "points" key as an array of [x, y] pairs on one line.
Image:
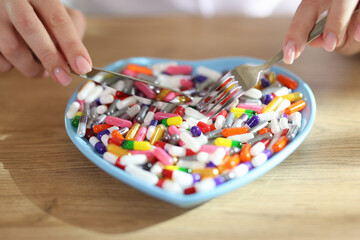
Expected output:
{"points": [[116, 150], [132, 132], [227, 142], [295, 107], [273, 104], [172, 121], [139, 69], [287, 81], [158, 133], [75, 121], [136, 145], [234, 131]]}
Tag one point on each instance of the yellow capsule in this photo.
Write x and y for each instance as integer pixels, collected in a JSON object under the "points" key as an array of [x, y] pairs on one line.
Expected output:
{"points": [[272, 77], [172, 121], [158, 132], [162, 94], [78, 114], [293, 97], [132, 132], [273, 104], [115, 149], [206, 172], [258, 85], [239, 111], [225, 142], [136, 145], [171, 167]]}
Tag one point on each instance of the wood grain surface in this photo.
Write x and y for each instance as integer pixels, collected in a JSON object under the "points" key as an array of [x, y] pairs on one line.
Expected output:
{"points": [[49, 190]]}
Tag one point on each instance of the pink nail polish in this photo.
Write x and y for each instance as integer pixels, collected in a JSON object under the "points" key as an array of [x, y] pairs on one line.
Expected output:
{"points": [[62, 76], [330, 42], [357, 33], [82, 64], [289, 52]]}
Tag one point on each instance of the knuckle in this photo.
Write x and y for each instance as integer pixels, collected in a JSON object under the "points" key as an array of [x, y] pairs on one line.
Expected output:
{"points": [[47, 56], [72, 45], [57, 19], [24, 20], [11, 48]]}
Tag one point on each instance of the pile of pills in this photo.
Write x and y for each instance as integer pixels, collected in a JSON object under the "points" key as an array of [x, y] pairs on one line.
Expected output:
{"points": [[176, 147]]}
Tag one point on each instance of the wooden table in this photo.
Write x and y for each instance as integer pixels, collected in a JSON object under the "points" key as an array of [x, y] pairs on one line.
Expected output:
{"points": [[49, 190]]}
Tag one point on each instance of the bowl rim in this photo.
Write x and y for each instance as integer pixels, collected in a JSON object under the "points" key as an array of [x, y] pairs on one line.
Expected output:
{"points": [[191, 200]]}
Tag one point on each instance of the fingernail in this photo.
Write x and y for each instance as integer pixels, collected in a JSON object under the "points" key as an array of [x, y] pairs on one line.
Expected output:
{"points": [[82, 64], [330, 42], [357, 33], [289, 52], [62, 76]]}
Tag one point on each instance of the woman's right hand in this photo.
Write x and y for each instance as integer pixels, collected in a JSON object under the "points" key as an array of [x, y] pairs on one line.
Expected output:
{"points": [[46, 29]]}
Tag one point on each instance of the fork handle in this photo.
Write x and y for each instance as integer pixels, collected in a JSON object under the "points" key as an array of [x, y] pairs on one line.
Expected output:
{"points": [[317, 30]]}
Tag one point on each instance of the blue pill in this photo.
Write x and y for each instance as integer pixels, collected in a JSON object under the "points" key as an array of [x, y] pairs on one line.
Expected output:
{"points": [[100, 147], [267, 98], [253, 121], [265, 82], [196, 132]]}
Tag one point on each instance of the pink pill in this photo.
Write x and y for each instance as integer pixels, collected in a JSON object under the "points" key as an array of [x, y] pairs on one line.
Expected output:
{"points": [[186, 83], [140, 135], [162, 115], [211, 148], [253, 107], [81, 102], [179, 70], [163, 156], [170, 96], [129, 73], [149, 154], [115, 121], [143, 87]]}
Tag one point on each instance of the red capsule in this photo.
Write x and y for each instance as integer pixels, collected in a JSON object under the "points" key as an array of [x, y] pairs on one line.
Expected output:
{"points": [[204, 127]]}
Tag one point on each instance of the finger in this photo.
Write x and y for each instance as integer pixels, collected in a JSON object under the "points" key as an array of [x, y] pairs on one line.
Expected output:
{"points": [[357, 27], [350, 46], [26, 22], [17, 53], [317, 42], [5, 66], [336, 24], [79, 21], [303, 21], [61, 26]]}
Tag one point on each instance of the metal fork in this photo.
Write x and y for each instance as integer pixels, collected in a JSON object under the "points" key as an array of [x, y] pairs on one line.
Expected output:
{"points": [[240, 79]]}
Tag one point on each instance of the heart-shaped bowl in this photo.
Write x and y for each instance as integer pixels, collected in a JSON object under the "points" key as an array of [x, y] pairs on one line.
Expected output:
{"points": [[219, 64]]}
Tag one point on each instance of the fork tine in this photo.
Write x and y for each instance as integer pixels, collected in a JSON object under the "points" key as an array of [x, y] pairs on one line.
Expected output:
{"points": [[219, 101], [231, 100], [217, 94], [213, 87]]}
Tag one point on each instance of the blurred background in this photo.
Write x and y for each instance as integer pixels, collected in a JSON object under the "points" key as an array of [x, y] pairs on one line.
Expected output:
{"points": [[205, 8]]}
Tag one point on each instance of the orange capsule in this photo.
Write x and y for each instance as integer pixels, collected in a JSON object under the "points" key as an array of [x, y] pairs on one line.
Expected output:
{"points": [[139, 69], [132, 132], [206, 172], [280, 144], [117, 134], [162, 94], [245, 155], [229, 162], [101, 127], [286, 81], [295, 107], [264, 130], [234, 131]]}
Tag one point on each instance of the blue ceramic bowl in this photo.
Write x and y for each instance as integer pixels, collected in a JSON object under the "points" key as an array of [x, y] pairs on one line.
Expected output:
{"points": [[219, 64]]}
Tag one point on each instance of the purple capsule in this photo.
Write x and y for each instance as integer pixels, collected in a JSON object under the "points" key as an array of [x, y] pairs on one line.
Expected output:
{"points": [[100, 147], [267, 98], [268, 153], [249, 165], [200, 78], [102, 133], [210, 165], [253, 121], [219, 180], [196, 132], [154, 122], [265, 82], [196, 177]]}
